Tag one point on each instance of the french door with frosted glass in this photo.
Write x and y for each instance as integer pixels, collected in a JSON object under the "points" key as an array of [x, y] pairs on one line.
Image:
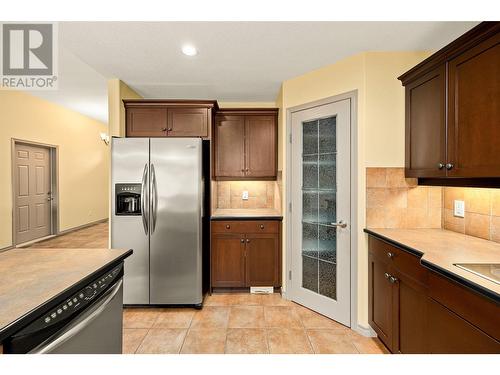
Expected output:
{"points": [[320, 219]]}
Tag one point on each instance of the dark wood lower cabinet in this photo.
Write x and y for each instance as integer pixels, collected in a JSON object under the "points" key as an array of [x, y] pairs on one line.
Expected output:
{"points": [[449, 333], [228, 260], [245, 253], [414, 310]]}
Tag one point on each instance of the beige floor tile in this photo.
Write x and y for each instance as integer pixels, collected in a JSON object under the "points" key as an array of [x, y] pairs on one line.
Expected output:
{"points": [[368, 345], [246, 317], [275, 299], [132, 338], [211, 317], [174, 318], [139, 317], [247, 299], [281, 317], [220, 299], [162, 341], [246, 341], [313, 320], [331, 342], [205, 341], [288, 341]]}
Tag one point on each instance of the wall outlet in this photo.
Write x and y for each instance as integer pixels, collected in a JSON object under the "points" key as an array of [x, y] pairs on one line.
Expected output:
{"points": [[244, 195], [459, 208]]}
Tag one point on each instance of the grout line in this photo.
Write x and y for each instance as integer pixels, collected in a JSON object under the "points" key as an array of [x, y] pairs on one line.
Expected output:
{"points": [[138, 346]]}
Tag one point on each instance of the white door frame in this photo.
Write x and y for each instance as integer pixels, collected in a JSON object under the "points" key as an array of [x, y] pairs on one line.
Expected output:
{"points": [[54, 185], [352, 96]]}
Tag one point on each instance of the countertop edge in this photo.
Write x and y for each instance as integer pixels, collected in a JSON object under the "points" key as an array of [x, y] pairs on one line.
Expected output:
{"points": [[15, 325], [484, 291]]}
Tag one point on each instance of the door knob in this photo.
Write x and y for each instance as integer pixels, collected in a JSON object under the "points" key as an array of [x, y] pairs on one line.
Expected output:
{"points": [[341, 224], [449, 166]]}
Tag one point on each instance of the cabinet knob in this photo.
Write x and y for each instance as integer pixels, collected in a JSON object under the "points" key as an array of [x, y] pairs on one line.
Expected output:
{"points": [[228, 226], [449, 166], [440, 165], [246, 169], [169, 129], [393, 280], [163, 129], [243, 170], [390, 255], [248, 241], [242, 240], [387, 275], [261, 226]]}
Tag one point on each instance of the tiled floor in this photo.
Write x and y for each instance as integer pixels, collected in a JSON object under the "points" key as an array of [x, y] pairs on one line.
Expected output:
{"points": [[240, 324], [228, 323], [93, 237]]}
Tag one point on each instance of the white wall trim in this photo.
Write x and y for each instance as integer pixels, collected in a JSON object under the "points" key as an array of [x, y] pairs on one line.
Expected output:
{"points": [[353, 97]]}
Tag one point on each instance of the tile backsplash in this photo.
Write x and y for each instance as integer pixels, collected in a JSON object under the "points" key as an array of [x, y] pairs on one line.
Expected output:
{"points": [[482, 212], [395, 202], [261, 194]]}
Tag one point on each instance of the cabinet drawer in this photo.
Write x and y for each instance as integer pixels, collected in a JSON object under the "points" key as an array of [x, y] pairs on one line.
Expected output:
{"points": [[399, 259], [257, 226], [480, 311]]}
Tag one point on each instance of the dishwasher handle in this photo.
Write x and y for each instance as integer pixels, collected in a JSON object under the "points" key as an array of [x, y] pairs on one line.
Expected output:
{"points": [[82, 322]]}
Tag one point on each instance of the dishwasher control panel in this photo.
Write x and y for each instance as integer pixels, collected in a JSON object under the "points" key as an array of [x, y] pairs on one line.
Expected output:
{"points": [[77, 301]]}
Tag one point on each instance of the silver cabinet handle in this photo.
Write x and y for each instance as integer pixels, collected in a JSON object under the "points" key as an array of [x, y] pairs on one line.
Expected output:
{"points": [[154, 200], [449, 166], [341, 224], [387, 275], [80, 324], [440, 165], [390, 255], [144, 200], [393, 280]]}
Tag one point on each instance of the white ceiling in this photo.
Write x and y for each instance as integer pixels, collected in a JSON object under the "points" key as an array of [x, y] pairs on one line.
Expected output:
{"points": [[237, 61]]}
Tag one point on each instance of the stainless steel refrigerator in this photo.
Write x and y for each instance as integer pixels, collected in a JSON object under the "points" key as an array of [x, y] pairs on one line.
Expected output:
{"points": [[157, 208]]}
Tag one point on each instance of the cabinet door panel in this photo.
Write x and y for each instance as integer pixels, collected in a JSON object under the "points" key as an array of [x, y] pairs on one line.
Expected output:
{"points": [[260, 146], [262, 260], [380, 300], [230, 146], [187, 122], [473, 111], [410, 300], [146, 122], [450, 334], [425, 125], [228, 261]]}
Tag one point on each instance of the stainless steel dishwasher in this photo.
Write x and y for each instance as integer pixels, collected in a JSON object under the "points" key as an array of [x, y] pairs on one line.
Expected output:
{"points": [[88, 322]]}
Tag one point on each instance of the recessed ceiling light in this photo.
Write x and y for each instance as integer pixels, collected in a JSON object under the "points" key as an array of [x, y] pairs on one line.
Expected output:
{"points": [[189, 50]]}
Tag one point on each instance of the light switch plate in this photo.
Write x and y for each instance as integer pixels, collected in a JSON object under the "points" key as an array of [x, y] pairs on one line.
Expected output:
{"points": [[459, 208], [244, 195]]}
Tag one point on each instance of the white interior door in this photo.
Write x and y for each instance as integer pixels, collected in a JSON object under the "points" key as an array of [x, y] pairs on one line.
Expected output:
{"points": [[320, 219]]}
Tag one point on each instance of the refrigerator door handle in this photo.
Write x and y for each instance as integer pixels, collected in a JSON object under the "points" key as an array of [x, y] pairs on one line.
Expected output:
{"points": [[144, 200], [154, 200]]}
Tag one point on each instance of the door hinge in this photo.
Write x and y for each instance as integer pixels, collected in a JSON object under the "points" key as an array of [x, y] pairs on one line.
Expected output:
{"points": [[290, 206], [290, 137], [290, 275]]}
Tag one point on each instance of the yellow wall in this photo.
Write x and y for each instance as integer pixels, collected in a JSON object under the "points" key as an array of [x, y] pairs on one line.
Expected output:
{"points": [[83, 158], [117, 91], [380, 125]]}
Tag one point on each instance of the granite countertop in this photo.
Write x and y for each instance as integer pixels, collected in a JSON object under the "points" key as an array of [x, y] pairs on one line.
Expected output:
{"points": [[246, 213], [31, 278], [441, 249]]}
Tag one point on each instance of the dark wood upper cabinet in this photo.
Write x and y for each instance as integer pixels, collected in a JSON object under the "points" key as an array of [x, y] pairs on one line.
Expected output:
{"points": [[169, 118], [426, 125], [260, 146], [146, 122], [452, 111], [229, 141], [188, 122], [474, 111], [245, 144]]}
